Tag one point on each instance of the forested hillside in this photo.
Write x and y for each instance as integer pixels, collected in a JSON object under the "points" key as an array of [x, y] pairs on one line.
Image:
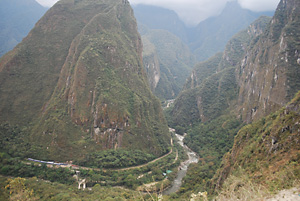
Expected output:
{"points": [[76, 85], [262, 62]]}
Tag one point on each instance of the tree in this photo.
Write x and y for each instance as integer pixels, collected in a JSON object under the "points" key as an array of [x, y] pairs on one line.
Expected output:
{"points": [[18, 190]]}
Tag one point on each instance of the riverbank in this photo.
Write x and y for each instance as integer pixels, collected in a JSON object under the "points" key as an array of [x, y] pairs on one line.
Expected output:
{"points": [[182, 169]]}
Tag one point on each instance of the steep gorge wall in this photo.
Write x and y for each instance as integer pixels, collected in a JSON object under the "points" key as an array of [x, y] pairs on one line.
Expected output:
{"points": [[270, 71], [212, 87]]}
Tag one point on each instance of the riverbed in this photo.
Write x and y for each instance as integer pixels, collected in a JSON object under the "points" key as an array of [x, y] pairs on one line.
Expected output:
{"points": [[192, 158]]}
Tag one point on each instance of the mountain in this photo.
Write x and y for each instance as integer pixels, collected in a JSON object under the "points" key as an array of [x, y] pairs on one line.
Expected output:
{"points": [[212, 35], [265, 155], [76, 85], [269, 75], [161, 18], [264, 79], [206, 108], [267, 150], [209, 36], [17, 19], [212, 86], [168, 62]]}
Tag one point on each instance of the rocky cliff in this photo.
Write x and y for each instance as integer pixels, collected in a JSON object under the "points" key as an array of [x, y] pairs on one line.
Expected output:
{"points": [[212, 86], [167, 60], [76, 83], [267, 150], [270, 71]]}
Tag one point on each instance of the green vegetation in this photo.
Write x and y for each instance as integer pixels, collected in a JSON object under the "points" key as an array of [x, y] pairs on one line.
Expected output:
{"points": [[18, 168], [116, 159], [174, 62], [267, 150], [132, 178], [205, 110], [37, 189], [76, 85], [210, 140]]}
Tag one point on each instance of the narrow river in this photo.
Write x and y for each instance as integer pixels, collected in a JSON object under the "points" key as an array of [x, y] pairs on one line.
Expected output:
{"points": [[183, 167]]}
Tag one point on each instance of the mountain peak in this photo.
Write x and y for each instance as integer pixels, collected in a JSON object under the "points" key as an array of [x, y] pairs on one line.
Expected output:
{"points": [[78, 81]]}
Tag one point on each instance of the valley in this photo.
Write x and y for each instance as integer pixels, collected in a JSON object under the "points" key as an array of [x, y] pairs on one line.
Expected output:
{"points": [[118, 100], [192, 158]]}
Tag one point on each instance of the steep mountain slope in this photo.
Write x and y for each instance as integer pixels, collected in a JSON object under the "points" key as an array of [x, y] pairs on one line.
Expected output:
{"points": [[168, 62], [267, 151], [78, 86], [269, 75], [160, 18], [212, 86], [17, 19], [205, 109], [212, 35]]}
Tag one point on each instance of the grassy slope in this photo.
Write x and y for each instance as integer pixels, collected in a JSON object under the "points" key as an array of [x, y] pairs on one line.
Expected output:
{"points": [[266, 150]]}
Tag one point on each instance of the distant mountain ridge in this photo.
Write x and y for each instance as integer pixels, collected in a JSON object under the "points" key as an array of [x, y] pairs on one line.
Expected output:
{"points": [[168, 62], [17, 19], [209, 36]]}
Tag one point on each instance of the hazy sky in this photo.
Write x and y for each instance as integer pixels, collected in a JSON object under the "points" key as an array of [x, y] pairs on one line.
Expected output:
{"points": [[194, 11]]}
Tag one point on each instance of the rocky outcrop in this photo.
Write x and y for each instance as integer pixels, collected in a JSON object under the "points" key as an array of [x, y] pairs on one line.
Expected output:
{"points": [[269, 73]]}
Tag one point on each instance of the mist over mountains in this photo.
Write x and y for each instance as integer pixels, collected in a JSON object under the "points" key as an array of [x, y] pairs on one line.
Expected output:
{"points": [[86, 99], [209, 36]]}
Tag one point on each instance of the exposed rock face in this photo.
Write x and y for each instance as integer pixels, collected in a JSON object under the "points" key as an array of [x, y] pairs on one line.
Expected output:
{"points": [[269, 74], [212, 86], [151, 63], [168, 62], [78, 79], [268, 148]]}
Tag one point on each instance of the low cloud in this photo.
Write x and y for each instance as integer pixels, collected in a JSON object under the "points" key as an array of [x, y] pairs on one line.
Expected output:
{"points": [[47, 3], [259, 5], [190, 11], [194, 11]]}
